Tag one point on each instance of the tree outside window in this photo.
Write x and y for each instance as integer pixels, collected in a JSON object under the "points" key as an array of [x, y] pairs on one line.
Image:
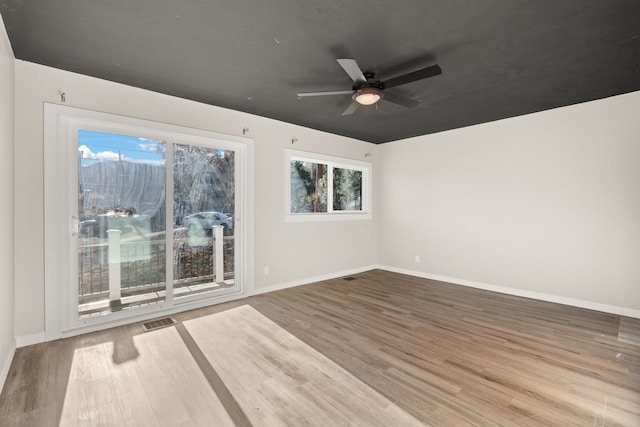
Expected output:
{"points": [[308, 187]]}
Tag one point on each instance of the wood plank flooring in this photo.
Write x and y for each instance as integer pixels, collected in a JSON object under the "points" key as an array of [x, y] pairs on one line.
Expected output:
{"points": [[419, 350], [280, 380]]}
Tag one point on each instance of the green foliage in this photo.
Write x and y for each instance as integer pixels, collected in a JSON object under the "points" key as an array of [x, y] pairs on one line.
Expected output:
{"points": [[308, 187], [347, 189]]}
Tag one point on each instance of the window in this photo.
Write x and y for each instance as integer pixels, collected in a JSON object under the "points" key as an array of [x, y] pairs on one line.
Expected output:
{"points": [[321, 187]]}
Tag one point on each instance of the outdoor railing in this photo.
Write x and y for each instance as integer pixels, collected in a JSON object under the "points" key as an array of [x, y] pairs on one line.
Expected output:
{"points": [[140, 264]]}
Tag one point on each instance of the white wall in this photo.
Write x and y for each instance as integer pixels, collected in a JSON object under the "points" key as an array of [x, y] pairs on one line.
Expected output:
{"points": [[544, 205], [7, 337], [295, 253]]}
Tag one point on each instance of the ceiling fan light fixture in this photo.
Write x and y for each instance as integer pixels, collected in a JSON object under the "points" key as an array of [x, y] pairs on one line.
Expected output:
{"points": [[367, 96]]}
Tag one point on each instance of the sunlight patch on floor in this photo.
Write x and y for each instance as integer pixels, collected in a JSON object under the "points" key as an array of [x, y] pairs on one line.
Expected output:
{"points": [[279, 380], [135, 382]]}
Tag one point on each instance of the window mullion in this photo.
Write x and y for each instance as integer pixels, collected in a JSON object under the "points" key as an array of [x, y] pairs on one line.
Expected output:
{"points": [[169, 259], [329, 188]]}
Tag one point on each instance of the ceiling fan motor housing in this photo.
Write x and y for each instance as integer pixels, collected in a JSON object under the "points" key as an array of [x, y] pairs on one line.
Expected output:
{"points": [[371, 82], [369, 92]]}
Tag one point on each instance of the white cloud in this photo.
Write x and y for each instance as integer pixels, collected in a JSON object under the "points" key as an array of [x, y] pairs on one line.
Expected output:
{"points": [[110, 155], [147, 147], [151, 145], [102, 155], [86, 152]]}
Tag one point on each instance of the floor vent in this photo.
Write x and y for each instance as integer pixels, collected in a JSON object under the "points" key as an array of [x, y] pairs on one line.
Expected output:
{"points": [[157, 324], [349, 278]]}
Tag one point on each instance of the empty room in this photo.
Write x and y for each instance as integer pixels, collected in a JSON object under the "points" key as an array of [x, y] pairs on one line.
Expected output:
{"points": [[327, 213]]}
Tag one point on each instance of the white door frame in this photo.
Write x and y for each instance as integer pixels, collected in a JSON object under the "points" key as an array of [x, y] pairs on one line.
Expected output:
{"points": [[58, 167]]}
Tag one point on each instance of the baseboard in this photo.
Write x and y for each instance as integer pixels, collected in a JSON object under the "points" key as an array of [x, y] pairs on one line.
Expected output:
{"points": [[25, 340], [152, 314], [6, 365], [308, 280], [612, 309]]}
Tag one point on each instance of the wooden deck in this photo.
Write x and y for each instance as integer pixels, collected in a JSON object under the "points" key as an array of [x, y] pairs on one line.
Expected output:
{"points": [[383, 347]]}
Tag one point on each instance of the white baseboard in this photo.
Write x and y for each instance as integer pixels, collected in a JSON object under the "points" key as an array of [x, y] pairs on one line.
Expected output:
{"points": [[621, 311], [151, 314], [6, 365], [25, 340], [308, 280]]}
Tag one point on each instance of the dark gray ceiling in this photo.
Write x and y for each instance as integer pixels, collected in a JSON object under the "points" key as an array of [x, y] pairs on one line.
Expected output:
{"points": [[499, 58]]}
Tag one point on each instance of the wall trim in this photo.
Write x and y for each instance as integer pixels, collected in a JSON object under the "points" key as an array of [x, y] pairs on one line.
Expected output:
{"points": [[590, 305], [309, 280], [6, 365], [150, 314], [40, 337], [31, 339], [25, 340]]}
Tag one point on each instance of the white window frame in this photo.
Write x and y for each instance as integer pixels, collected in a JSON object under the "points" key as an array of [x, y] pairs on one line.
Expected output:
{"points": [[332, 162], [60, 158]]}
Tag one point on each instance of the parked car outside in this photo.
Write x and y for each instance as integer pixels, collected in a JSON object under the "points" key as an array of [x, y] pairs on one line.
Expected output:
{"points": [[201, 224], [126, 223]]}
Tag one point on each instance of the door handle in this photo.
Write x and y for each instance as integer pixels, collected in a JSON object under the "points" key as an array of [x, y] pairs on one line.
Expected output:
{"points": [[75, 226]]}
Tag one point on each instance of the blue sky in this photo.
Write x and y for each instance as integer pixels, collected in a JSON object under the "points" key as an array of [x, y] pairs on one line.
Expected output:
{"points": [[100, 146]]}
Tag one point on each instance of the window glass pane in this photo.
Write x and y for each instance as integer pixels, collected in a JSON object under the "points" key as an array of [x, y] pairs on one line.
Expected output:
{"points": [[347, 190], [308, 187], [203, 209], [121, 211]]}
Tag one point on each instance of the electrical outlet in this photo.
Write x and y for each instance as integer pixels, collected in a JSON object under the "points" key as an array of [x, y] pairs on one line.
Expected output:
{"points": [[266, 270], [417, 258]]}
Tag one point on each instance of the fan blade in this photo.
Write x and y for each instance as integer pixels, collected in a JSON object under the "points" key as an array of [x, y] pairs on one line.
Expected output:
{"points": [[352, 68], [400, 100], [424, 73], [335, 92], [351, 109]]}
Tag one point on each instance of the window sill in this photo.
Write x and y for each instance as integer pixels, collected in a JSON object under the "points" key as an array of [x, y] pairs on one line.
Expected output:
{"points": [[317, 217]]}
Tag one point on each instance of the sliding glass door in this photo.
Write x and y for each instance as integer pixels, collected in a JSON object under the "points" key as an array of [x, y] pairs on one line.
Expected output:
{"points": [[154, 215], [127, 242]]}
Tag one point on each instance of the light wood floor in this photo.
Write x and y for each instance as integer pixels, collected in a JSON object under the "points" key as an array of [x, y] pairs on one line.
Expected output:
{"points": [[385, 349]]}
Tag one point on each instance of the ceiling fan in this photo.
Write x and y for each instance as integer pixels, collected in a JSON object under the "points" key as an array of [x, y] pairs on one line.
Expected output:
{"points": [[367, 90]]}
